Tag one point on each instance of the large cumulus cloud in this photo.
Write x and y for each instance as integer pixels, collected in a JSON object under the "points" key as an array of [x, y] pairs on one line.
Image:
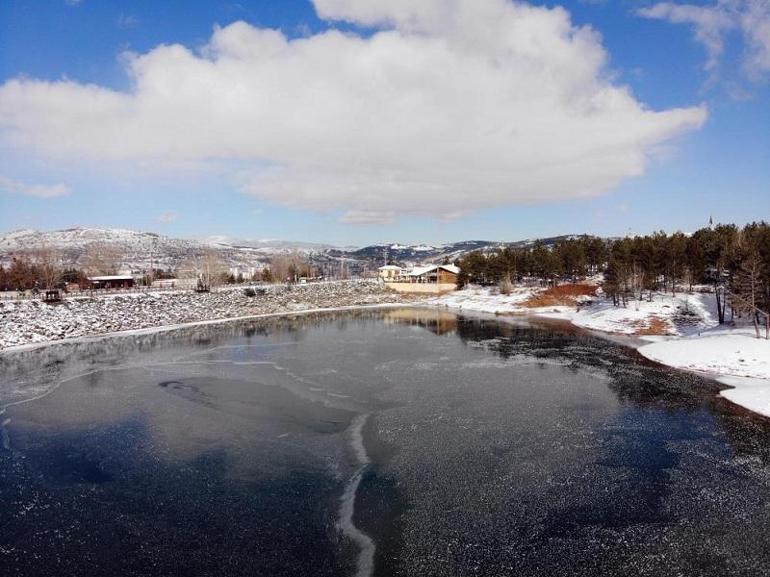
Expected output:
{"points": [[438, 108]]}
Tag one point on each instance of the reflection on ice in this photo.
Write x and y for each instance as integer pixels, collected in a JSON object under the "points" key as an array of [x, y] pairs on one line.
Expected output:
{"points": [[373, 443]]}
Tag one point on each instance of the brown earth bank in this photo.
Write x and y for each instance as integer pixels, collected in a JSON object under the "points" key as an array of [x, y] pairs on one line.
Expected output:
{"points": [[560, 295], [654, 326]]}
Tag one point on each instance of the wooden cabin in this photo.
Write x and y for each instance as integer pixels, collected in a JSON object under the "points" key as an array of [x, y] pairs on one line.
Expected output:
{"points": [[432, 278]]}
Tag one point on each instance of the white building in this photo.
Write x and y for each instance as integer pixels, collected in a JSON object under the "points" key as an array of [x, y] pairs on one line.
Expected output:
{"points": [[390, 272], [431, 278], [248, 272]]}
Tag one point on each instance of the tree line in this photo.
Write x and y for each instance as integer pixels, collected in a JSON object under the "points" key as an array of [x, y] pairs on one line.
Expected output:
{"points": [[734, 261], [24, 274], [44, 268]]}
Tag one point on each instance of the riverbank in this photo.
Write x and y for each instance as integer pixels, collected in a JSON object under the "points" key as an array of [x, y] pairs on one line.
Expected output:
{"points": [[679, 331], [32, 322]]}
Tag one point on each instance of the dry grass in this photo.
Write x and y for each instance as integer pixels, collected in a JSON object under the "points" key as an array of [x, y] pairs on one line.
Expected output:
{"points": [[562, 295], [655, 326]]}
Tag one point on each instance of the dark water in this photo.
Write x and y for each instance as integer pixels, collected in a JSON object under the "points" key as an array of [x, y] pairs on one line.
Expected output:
{"points": [[386, 443]]}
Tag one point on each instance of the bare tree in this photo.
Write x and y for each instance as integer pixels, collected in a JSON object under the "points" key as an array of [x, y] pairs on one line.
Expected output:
{"points": [[48, 263], [101, 258], [188, 268], [745, 291], [208, 267], [290, 267]]}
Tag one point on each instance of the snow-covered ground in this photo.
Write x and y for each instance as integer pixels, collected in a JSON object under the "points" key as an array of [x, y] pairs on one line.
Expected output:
{"points": [[483, 300], [680, 331], [733, 355], [731, 351], [27, 322], [683, 314]]}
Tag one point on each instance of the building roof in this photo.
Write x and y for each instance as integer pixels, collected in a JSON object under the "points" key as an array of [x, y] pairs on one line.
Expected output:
{"points": [[112, 277], [421, 270]]}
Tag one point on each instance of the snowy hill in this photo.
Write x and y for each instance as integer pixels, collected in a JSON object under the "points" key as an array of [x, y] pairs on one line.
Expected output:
{"points": [[269, 246], [134, 249], [429, 253], [137, 249]]}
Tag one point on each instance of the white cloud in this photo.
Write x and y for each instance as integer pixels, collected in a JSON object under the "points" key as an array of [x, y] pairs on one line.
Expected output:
{"points": [[73, 2], [127, 21], [447, 107], [168, 216], [369, 217], [10, 186], [712, 22], [755, 22]]}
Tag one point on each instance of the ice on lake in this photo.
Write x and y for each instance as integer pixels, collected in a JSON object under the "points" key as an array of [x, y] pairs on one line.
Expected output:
{"points": [[404, 442]]}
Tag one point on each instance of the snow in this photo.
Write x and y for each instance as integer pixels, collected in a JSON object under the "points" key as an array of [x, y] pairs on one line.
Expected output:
{"points": [[482, 300], [421, 270], [29, 322], [724, 353], [735, 356], [693, 341], [134, 248], [112, 277], [752, 394], [683, 314]]}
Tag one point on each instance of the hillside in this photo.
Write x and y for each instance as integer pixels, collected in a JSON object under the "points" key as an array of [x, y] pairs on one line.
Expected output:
{"points": [[135, 249]]}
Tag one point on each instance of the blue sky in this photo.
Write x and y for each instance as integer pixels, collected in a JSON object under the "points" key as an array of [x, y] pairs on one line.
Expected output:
{"points": [[720, 167]]}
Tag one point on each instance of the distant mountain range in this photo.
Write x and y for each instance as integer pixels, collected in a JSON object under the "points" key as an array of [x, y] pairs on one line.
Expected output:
{"points": [[136, 250]]}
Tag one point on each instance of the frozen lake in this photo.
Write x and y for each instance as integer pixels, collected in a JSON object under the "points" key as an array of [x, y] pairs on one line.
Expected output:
{"points": [[395, 442]]}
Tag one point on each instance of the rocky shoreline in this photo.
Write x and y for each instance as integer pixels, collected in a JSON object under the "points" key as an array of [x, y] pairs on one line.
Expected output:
{"points": [[29, 322]]}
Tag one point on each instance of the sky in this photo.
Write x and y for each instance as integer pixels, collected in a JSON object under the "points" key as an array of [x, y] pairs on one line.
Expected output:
{"points": [[354, 122]]}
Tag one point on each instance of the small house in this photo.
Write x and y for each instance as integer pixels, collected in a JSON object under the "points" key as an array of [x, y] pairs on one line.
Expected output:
{"points": [[435, 274], [390, 272], [432, 279]]}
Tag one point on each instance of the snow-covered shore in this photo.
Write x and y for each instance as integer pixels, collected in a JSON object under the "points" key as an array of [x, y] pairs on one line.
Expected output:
{"points": [[679, 331], [29, 322], [734, 356]]}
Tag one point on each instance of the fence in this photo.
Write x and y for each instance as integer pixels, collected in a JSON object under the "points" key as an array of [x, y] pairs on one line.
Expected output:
{"points": [[82, 293], [87, 293]]}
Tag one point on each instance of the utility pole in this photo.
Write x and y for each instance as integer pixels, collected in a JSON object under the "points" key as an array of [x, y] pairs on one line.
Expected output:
{"points": [[151, 273]]}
